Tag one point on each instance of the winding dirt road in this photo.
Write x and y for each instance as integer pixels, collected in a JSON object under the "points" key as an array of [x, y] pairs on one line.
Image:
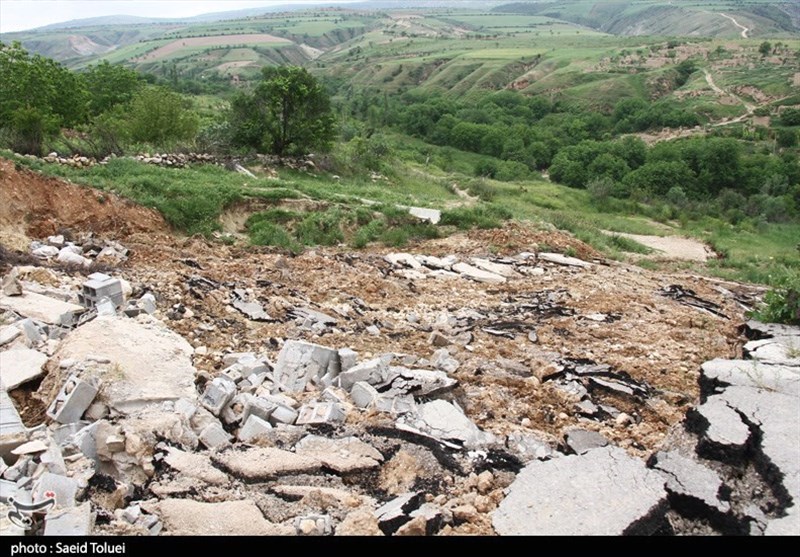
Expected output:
{"points": [[744, 29]]}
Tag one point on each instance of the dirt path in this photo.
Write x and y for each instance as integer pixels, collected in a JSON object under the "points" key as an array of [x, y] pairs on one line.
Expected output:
{"points": [[750, 108], [670, 247], [744, 29]]}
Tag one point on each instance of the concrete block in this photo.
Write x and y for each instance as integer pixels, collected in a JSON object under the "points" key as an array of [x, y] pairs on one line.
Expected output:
{"points": [[19, 366], [348, 358], [374, 372], [300, 362], [105, 306], [260, 407], [395, 404], [148, 303], [214, 436], [253, 428], [363, 394], [313, 525], [321, 413], [101, 286], [72, 401], [218, 394], [11, 425], [75, 521], [65, 489], [283, 414]]}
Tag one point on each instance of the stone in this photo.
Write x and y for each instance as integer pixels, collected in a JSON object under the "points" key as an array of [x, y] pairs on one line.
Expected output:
{"points": [[721, 425], [438, 339], [373, 330], [214, 436], [587, 408], [419, 382], [253, 310], [218, 394], [403, 260], [314, 315], [195, 465], [789, 525], [395, 404], [478, 275], [8, 333], [443, 263], [75, 396], [430, 516], [582, 441], [433, 216], [260, 407], [301, 362], [360, 522], [363, 394], [65, 489], [148, 303], [135, 378], [529, 446], [603, 492], [443, 361], [320, 413], [45, 252], [19, 366], [688, 478], [184, 517], [75, 521], [564, 260], [374, 372], [344, 455], [253, 428], [41, 308], [393, 514], [263, 463], [10, 284], [502, 269], [31, 447]]}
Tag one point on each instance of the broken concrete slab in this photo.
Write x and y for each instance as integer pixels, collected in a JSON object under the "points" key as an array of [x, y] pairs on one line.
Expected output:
{"points": [[313, 315], [301, 362], [478, 275], [31, 447], [446, 421], [185, 517], [20, 365], [444, 361], [529, 446], [789, 525], [442, 263], [195, 465], [564, 260], [603, 492], [69, 257], [719, 425], [363, 394], [418, 382], [752, 373], [395, 513], [344, 455], [342, 497], [502, 269], [75, 521], [262, 463], [320, 413], [64, 488], [348, 358], [774, 351], [135, 378], [10, 284], [688, 478], [75, 396], [375, 372], [582, 440], [12, 430], [403, 260], [433, 216]]}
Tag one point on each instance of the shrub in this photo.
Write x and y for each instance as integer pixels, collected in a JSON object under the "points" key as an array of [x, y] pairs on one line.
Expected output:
{"points": [[782, 302]]}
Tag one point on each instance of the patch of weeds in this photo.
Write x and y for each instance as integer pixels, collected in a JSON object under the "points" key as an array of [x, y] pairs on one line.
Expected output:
{"points": [[626, 244], [782, 302], [480, 216]]}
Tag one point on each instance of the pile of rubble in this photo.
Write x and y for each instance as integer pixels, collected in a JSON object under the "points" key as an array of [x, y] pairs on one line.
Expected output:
{"points": [[83, 251], [171, 160], [236, 392]]}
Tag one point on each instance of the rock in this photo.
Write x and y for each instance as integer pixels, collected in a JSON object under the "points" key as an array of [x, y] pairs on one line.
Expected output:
{"points": [[253, 310], [444, 263], [253, 429], [443, 361], [348, 358], [313, 525], [314, 316], [478, 275], [263, 463], [41, 308], [529, 446], [338, 497], [688, 478], [45, 252], [433, 216], [364, 394], [431, 516], [587, 408], [373, 372], [10, 284], [69, 257], [360, 522], [31, 447], [564, 260], [603, 492], [755, 374], [136, 377], [438, 339], [343, 455], [195, 465], [395, 513], [301, 362], [20, 365], [786, 526], [75, 521], [415, 527], [8, 333], [418, 382], [185, 517], [582, 441]]}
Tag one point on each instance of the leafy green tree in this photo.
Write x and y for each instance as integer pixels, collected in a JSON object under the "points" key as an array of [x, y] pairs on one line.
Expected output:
{"points": [[660, 177], [159, 116], [109, 85], [765, 48], [288, 113]]}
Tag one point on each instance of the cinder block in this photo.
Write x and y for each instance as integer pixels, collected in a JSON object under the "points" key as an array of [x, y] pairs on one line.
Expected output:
{"points": [[101, 286], [283, 415], [218, 394], [214, 436], [72, 401], [347, 358], [253, 428], [321, 413], [364, 394]]}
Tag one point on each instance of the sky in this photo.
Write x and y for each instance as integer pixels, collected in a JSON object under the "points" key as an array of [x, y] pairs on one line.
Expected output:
{"points": [[19, 15]]}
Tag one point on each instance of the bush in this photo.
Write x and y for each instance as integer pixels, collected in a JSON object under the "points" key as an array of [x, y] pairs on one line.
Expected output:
{"points": [[782, 303]]}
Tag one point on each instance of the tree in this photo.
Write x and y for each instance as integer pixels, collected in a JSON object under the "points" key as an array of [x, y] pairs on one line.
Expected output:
{"points": [[764, 48], [288, 113], [158, 116], [109, 85]]}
